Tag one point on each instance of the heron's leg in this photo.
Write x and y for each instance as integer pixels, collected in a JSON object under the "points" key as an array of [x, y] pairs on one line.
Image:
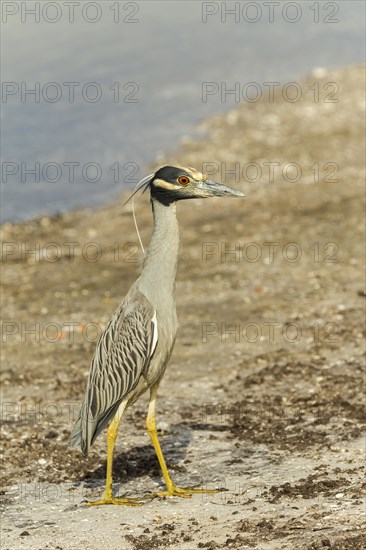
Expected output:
{"points": [[172, 490], [111, 439]]}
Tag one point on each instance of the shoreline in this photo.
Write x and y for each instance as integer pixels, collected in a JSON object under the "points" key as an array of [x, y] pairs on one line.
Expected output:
{"points": [[321, 76]]}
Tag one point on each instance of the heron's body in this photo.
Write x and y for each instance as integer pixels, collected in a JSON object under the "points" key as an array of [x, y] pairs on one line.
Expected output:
{"points": [[136, 345], [156, 304]]}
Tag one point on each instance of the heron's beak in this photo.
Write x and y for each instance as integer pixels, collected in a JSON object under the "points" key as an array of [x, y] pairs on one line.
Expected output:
{"points": [[208, 188]]}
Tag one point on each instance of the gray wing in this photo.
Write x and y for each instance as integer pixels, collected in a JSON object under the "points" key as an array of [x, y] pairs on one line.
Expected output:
{"points": [[123, 352]]}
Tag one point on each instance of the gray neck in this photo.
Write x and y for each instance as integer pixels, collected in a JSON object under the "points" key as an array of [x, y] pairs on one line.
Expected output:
{"points": [[157, 280]]}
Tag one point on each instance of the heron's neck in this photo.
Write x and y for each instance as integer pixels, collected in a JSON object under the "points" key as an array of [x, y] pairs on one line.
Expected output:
{"points": [[157, 279]]}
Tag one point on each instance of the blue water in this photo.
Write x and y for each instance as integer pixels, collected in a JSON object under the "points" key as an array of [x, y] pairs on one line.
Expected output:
{"points": [[162, 59]]}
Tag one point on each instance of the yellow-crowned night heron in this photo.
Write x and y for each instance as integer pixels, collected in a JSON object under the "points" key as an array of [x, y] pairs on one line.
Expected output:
{"points": [[136, 345]]}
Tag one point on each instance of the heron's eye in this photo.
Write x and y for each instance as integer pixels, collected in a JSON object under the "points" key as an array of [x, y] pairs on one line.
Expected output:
{"points": [[183, 180]]}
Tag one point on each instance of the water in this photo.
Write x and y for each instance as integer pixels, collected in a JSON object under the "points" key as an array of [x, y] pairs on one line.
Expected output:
{"points": [[162, 59]]}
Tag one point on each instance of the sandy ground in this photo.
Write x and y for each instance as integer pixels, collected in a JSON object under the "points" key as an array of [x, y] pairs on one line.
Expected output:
{"points": [[264, 395]]}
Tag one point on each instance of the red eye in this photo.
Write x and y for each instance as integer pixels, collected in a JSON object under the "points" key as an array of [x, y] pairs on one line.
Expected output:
{"points": [[183, 180]]}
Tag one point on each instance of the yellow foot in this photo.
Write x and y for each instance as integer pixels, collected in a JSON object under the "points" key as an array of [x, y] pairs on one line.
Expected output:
{"points": [[187, 492], [117, 501]]}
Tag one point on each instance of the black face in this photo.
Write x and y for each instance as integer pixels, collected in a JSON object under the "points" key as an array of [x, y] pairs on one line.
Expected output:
{"points": [[169, 181], [175, 183]]}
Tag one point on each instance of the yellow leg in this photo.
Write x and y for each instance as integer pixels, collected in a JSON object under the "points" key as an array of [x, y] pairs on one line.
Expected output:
{"points": [[111, 439], [171, 489]]}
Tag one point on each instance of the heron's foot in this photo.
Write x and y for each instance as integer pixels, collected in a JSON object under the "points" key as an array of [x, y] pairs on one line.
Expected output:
{"points": [[117, 501], [187, 492]]}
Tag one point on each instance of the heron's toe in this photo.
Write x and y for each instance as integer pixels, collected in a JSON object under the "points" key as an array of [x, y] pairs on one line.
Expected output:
{"points": [[116, 501], [186, 492]]}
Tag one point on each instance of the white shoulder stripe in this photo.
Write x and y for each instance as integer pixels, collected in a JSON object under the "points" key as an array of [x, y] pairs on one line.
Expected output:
{"points": [[155, 334]]}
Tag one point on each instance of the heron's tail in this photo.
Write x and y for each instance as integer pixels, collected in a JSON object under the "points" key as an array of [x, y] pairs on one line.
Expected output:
{"points": [[84, 432], [87, 428], [76, 439]]}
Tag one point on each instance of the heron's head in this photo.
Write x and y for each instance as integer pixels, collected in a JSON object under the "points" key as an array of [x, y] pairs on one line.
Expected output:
{"points": [[174, 183]]}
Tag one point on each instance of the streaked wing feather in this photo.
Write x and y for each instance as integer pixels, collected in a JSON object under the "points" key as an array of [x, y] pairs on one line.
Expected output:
{"points": [[123, 352]]}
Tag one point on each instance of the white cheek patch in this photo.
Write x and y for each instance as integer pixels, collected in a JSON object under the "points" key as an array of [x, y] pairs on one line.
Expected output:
{"points": [[165, 185]]}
